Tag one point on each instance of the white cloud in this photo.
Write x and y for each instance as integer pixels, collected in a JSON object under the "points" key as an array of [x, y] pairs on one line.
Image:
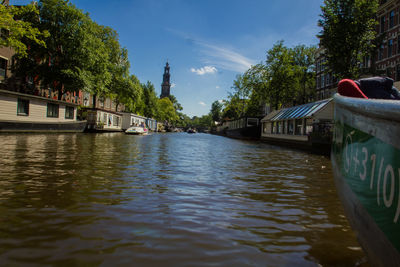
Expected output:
{"points": [[173, 85], [220, 56], [225, 58], [204, 70], [221, 101], [217, 87], [202, 103]]}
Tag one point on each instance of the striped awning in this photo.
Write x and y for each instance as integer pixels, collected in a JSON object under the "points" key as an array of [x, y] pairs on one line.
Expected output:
{"points": [[298, 112]]}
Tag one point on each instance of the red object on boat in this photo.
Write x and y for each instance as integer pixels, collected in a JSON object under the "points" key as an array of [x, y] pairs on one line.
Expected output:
{"points": [[347, 87]]}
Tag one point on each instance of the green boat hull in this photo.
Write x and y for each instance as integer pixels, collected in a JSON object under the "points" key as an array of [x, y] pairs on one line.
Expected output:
{"points": [[366, 163]]}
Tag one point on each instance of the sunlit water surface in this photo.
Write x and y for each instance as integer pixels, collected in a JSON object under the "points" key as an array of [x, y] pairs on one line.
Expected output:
{"points": [[167, 200]]}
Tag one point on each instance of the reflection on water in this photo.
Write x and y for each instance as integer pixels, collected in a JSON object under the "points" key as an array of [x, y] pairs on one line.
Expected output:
{"points": [[167, 199]]}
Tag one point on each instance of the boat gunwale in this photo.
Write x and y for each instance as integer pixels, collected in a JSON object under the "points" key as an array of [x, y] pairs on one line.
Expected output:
{"points": [[385, 109]]}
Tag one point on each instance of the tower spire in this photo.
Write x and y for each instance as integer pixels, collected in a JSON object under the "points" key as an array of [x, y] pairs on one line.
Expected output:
{"points": [[166, 85]]}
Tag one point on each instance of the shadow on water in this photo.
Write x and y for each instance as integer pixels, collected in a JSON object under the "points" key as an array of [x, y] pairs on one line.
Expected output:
{"points": [[170, 199]]}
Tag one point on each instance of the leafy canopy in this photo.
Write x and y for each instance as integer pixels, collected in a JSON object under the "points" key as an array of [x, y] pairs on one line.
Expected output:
{"points": [[348, 34], [15, 30]]}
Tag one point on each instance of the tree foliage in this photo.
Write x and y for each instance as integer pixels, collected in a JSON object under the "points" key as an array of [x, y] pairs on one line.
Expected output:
{"points": [[286, 78], [216, 111], [166, 111], [348, 34], [150, 100], [78, 54], [16, 30]]}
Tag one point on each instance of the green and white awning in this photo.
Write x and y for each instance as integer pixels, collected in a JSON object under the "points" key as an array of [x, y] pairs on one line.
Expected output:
{"points": [[297, 112]]}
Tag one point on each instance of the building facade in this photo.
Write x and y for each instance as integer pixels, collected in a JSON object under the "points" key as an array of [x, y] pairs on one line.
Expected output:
{"points": [[326, 82], [388, 57], [166, 85]]}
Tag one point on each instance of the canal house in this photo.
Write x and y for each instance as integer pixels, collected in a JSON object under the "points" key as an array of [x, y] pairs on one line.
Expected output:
{"points": [[305, 126]]}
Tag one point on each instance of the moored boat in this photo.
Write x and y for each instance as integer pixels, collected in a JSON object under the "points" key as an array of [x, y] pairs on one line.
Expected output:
{"points": [[366, 164], [21, 112], [191, 131], [307, 126], [137, 130], [242, 128]]}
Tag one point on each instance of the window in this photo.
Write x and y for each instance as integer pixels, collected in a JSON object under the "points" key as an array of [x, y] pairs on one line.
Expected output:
{"points": [[389, 72], [23, 107], [391, 19], [298, 126], [116, 121], [398, 73], [380, 53], [390, 48], [52, 110], [382, 24], [69, 112], [398, 44], [252, 122], [290, 127], [3, 68]]}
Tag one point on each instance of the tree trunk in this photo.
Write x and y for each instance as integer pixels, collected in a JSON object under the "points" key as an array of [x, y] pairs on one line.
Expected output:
{"points": [[94, 100]]}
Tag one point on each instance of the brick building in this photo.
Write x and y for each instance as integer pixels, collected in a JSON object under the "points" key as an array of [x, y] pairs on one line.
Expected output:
{"points": [[325, 81], [387, 60], [388, 57]]}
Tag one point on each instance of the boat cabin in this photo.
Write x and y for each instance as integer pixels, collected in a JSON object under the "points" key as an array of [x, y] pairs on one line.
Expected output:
{"points": [[308, 123], [103, 120], [131, 119], [29, 113]]}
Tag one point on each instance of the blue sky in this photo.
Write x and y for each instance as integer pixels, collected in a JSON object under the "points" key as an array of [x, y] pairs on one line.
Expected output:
{"points": [[207, 42]]}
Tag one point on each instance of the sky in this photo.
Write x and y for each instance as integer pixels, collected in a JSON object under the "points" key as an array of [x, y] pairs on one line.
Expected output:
{"points": [[206, 42]]}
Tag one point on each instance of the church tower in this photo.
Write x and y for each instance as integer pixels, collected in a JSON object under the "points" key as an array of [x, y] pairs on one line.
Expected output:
{"points": [[166, 85]]}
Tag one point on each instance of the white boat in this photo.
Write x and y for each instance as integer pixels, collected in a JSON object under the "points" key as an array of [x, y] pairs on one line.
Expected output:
{"points": [[137, 130]]}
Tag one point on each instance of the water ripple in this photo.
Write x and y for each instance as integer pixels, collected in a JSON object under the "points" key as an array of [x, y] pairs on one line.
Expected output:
{"points": [[167, 199]]}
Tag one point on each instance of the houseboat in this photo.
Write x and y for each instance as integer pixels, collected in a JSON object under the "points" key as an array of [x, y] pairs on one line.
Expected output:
{"points": [[101, 120], [20, 112], [151, 124], [103, 114], [307, 126], [242, 128], [130, 119], [366, 165]]}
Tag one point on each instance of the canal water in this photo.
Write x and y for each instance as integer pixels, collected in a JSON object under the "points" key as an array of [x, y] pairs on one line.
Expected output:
{"points": [[167, 200]]}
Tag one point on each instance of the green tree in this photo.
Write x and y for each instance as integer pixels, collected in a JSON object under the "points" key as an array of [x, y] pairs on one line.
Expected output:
{"points": [[75, 56], [256, 79], [242, 91], [184, 120], [177, 105], [304, 64], [281, 75], [166, 111], [232, 107], [216, 111], [150, 100], [348, 34], [16, 30]]}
